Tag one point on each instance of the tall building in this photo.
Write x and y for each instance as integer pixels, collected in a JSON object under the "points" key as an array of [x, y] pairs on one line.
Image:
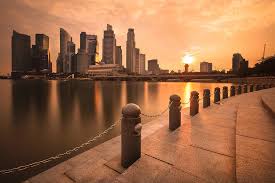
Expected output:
{"points": [[142, 59], [109, 46], [80, 62], [41, 54], [69, 57], [21, 52], [236, 62], [62, 63], [90, 45], [118, 55], [153, 66], [130, 51], [42, 41], [137, 66], [205, 67]]}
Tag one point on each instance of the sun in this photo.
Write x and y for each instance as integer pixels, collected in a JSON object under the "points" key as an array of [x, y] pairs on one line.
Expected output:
{"points": [[188, 58]]}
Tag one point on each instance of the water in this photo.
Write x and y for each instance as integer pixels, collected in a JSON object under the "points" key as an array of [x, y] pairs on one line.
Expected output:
{"points": [[39, 119]]}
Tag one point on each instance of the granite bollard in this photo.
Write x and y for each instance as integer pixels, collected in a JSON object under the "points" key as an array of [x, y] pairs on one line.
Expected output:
{"points": [[194, 103], [225, 92], [130, 134], [206, 98], [251, 88], [217, 95], [232, 91], [174, 112], [245, 88], [239, 91]]}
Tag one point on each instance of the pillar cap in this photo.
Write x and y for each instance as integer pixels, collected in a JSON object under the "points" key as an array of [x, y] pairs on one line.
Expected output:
{"points": [[217, 88], [194, 93], [175, 98], [131, 110]]}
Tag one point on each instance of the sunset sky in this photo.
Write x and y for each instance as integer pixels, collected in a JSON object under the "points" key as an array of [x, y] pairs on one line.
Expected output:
{"points": [[212, 30]]}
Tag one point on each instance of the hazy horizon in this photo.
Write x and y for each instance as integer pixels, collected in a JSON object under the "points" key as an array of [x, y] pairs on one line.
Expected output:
{"points": [[212, 30]]}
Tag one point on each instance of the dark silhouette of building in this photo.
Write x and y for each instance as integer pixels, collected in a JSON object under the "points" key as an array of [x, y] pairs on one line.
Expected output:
{"points": [[90, 45], [239, 64], [40, 54], [21, 53], [109, 46], [205, 67], [119, 55], [62, 62], [186, 67], [153, 66], [130, 51], [137, 66]]}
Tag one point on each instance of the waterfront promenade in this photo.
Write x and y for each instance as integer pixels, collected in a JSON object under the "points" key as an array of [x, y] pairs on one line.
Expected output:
{"points": [[230, 142]]}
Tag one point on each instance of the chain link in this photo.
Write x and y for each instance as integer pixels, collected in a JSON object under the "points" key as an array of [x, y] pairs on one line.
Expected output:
{"points": [[68, 152], [157, 115]]}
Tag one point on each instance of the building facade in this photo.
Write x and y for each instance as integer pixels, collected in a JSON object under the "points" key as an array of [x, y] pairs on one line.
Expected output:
{"points": [[130, 51], [41, 54], [236, 62], [118, 55], [206, 67], [109, 46], [137, 66], [90, 45], [142, 59], [62, 62], [80, 62], [21, 53], [153, 66]]}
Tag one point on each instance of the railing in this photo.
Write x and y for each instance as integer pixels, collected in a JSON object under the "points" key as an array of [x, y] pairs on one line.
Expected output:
{"points": [[131, 124]]}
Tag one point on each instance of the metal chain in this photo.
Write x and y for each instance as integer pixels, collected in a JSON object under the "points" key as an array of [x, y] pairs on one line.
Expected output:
{"points": [[157, 115], [68, 152]]}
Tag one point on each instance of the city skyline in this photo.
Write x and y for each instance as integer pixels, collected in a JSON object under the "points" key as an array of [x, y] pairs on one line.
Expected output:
{"points": [[213, 31]]}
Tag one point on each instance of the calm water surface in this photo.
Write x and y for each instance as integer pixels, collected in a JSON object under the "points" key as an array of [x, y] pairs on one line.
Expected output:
{"points": [[39, 119]]}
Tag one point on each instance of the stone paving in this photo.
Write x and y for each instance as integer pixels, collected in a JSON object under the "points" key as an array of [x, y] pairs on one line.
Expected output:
{"points": [[230, 142]]}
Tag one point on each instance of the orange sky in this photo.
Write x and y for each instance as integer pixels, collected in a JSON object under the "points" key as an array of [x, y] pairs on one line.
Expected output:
{"points": [[165, 29]]}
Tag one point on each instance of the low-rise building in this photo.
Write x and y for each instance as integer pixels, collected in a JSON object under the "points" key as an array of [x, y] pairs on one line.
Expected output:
{"points": [[105, 69]]}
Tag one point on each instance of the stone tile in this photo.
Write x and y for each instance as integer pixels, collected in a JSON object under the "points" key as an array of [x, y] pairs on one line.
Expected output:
{"points": [[102, 174], [257, 123], [83, 157], [255, 148], [178, 176], [50, 178], [84, 171], [109, 149], [206, 165], [200, 163], [54, 174], [146, 169], [115, 164], [250, 170]]}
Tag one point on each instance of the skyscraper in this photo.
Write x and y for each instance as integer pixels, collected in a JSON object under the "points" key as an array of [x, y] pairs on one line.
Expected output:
{"points": [[137, 66], [81, 62], [40, 53], [69, 56], [142, 59], [21, 52], [62, 63], [205, 67], [153, 66], [42, 41], [119, 55], [109, 46], [130, 51], [90, 45], [236, 62]]}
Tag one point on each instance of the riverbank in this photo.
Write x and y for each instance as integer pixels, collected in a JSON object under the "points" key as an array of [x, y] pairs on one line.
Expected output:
{"points": [[229, 142]]}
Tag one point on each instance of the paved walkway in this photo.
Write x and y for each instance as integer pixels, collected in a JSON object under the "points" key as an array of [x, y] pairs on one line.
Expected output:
{"points": [[231, 142]]}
